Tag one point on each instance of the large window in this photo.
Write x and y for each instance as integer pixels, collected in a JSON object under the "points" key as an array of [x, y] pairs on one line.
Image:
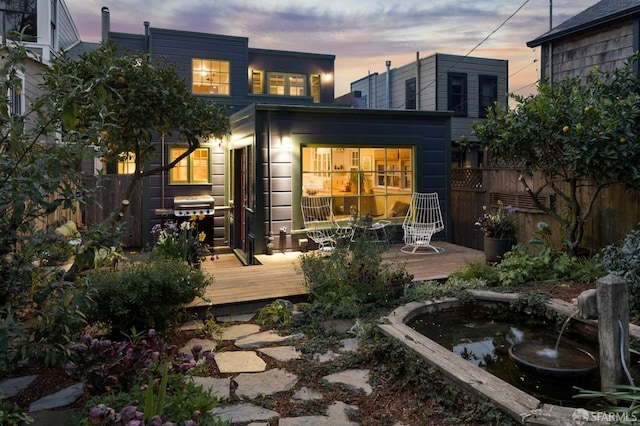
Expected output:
{"points": [[285, 84], [210, 77], [15, 96], [20, 15], [127, 164], [256, 82], [360, 180], [488, 88], [193, 169], [457, 94]]}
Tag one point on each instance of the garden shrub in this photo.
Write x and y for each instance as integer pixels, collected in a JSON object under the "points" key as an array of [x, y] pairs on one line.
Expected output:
{"points": [[144, 295], [623, 260], [352, 276]]}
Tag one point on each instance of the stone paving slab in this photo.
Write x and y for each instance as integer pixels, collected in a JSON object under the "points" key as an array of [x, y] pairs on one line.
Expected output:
{"points": [[353, 379], [236, 318], [349, 345], [66, 396], [336, 416], [192, 325], [251, 385], [325, 357], [282, 353], [244, 413], [306, 394], [265, 338], [239, 362], [12, 387], [234, 332], [218, 387]]}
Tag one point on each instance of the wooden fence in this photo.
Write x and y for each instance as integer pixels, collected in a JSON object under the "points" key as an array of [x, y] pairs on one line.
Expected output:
{"points": [[616, 212]]}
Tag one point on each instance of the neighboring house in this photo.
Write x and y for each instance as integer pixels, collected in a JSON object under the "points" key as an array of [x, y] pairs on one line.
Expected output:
{"points": [[47, 25], [465, 85], [603, 35]]}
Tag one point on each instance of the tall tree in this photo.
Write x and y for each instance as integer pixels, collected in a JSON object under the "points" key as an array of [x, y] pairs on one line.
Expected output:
{"points": [[122, 104], [578, 135]]}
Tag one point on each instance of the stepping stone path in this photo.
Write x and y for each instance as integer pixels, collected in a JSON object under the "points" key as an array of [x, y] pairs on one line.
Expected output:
{"points": [[249, 377]]}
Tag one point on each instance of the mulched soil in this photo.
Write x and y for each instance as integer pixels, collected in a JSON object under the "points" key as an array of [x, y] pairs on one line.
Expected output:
{"points": [[384, 407]]}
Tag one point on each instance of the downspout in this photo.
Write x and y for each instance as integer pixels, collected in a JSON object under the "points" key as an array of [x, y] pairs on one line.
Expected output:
{"points": [[550, 78], [388, 84], [418, 81], [146, 37], [269, 172], [163, 172]]}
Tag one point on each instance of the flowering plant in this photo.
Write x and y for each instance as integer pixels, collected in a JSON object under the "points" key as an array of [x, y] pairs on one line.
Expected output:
{"points": [[500, 224], [181, 241]]}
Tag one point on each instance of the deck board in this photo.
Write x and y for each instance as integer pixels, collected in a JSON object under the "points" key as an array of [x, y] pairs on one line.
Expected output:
{"points": [[276, 276]]}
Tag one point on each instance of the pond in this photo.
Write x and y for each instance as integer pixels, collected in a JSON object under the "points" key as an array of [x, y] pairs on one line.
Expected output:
{"points": [[484, 335]]}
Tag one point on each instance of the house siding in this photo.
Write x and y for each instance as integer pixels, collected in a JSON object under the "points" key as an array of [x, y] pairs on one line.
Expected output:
{"points": [[605, 47]]}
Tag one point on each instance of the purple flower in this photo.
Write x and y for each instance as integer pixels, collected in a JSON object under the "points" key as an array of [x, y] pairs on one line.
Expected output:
{"points": [[98, 412], [196, 415], [151, 333], [189, 423], [155, 421], [128, 413]]}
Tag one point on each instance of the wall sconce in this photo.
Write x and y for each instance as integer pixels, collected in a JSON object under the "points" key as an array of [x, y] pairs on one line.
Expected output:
{"points": [[285, 142]]}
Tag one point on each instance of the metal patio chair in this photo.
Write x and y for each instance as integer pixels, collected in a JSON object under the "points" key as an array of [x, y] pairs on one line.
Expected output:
{"points": [[423, 219], [320, 223]]}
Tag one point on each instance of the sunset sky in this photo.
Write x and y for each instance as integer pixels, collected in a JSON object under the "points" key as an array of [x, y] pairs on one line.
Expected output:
{"points": [[362, 34]]}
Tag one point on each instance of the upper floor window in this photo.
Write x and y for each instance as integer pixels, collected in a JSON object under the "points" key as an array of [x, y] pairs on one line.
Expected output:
{"points": [[210, 76], [20, 15], [256, 82], [194, 169], [457, 94], [285, 84], [488, 88], [410, 94], [315, 88]]}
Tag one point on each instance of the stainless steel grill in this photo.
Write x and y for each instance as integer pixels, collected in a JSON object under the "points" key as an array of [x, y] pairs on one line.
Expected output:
{"points": [[193, 205]]}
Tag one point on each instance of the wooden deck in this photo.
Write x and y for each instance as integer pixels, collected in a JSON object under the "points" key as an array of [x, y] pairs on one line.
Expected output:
{"points": [[276, 277]]}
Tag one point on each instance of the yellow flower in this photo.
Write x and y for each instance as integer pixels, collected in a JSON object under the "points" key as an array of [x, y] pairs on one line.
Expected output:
{"points": [[201, 236], [192, 218], [201, 216]]}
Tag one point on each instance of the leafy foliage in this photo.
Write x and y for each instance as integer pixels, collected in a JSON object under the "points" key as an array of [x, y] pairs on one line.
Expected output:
{"points": [[578, 134], [500, 224], [352, 276], [623, 260], [144, 295]]}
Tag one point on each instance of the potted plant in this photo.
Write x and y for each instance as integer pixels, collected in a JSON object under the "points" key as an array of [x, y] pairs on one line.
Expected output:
{"points": [[499, 231]]}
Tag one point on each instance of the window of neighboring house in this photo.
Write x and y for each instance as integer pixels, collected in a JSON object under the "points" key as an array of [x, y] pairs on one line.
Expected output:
{"points": [[359, 179], [488, 88], [285, 84], [194, 169], [410, 93], [256, 82], [15, 96], [20, 15], [54, 19], [210, 76], [127, 164], [457, 94], [315, 88]]}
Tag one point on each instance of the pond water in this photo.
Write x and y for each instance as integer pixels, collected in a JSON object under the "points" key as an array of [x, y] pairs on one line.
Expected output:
{"points": [[483, 337]]}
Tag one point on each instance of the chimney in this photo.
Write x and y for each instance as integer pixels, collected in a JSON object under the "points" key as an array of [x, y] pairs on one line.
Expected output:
{"points": [[146, 36], [106, 24]]}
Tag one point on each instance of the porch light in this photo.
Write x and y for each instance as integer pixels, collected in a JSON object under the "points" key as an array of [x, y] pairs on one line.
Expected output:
{"points": [[285, 142]]}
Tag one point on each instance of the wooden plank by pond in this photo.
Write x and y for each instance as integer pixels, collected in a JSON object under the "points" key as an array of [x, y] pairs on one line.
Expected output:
{"points": [[276, 276]]}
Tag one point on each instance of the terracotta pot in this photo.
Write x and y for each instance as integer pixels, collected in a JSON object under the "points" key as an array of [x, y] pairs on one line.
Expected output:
{"points": [[495, 248]]}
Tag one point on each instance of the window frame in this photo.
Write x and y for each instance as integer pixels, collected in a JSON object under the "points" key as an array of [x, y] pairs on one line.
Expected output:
{"points": [[188, 163], [459, 108], [410, 94], [257, 84], [315, 82], [220, 73], [286, 83], [482, 106]]}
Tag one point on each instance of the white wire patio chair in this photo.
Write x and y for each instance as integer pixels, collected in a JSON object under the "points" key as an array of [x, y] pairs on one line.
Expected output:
{"points": [[423, 220], [320, 223]]}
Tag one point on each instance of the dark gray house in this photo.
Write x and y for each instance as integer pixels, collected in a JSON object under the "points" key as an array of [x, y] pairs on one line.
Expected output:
{"points": [[278, 153], [603, 35], [288, 140]]}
